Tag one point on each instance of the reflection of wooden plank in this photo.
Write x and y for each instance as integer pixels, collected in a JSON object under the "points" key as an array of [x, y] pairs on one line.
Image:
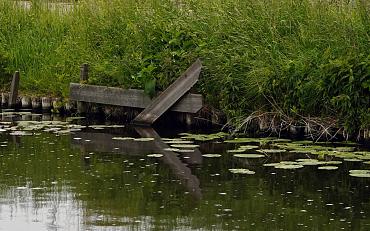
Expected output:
{"points": [[190, 103], [170, 96], [180, 169], [103, 142], [14, 90]]}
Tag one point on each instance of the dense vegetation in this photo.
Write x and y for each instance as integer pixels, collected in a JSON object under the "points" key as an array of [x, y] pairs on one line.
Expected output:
{"points": [[301, 57]]}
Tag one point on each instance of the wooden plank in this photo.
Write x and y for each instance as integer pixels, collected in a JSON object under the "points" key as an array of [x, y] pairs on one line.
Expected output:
{"points": [[14, 90], [170, 96], [190, 103]]}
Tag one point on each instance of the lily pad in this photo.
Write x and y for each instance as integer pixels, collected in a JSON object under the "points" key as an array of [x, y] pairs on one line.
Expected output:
{"points": [[123, 138], [211, 155], [240, 150], [344, 149], [328, 167], [184, 145], [331, 162], [289, 166], [271, 150], [359, 173], [352, 160], [178, 141], [144, 139], [155, 155], [171, 149], [271, 164], [248, 147], [185, 150], [241, 171], [307, 160], [249, 155]]}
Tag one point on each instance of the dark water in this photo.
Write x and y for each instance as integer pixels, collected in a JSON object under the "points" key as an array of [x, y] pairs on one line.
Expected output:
{"points": [[87, 181]]}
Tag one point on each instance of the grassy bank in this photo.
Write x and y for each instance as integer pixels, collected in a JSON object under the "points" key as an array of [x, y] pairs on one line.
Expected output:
{"points": [[298, 57]]}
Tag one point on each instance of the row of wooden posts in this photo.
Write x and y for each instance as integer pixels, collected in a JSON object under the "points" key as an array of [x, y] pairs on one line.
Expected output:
{"points": [[175, 98]]}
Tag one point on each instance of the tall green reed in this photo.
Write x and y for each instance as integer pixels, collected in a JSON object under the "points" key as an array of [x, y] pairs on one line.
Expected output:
{"points": [[252, 50]]}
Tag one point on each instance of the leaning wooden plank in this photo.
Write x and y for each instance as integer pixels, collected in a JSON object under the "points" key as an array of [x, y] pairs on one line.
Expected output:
{"points": [[14, 90], [170, 96], [190, 103]]}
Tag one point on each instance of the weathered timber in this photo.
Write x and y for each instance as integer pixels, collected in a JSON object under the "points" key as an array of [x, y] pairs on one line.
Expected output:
{"points": [[84, 73], [26, 102], [170, 96], [190, 103], [4, 99], [14, 90], [46, 103]]}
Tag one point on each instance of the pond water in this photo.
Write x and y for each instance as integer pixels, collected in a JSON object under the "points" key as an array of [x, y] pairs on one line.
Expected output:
{"points": [[58, 176]]}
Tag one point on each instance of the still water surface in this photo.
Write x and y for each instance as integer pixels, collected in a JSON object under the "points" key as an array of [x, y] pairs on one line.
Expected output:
{"points": [[88, 181]]}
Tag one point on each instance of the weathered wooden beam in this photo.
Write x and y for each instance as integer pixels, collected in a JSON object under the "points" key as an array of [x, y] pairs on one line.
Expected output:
{"points": [[14, 90], [190, 103], [170, 96], [84, 73]]}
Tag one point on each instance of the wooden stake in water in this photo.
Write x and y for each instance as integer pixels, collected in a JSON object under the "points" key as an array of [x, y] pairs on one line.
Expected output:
{"points": [[14, 90]]}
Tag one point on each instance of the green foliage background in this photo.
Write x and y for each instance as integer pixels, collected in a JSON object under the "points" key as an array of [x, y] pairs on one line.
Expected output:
{"points": [[311, 57]]}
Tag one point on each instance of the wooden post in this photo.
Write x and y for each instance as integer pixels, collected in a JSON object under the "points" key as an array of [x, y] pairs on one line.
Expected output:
{"points": [[84, 73], [4, 99], [14, 90], [26, 102], [84, 78]]}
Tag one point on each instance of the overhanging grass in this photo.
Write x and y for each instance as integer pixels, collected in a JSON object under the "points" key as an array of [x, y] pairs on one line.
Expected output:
{"points": [[300, 53]]}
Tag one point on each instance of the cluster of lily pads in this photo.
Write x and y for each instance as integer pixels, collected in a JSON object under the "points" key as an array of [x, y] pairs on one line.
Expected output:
{"points": [[246, 147], [281, 146], [266, 147], [30, 127]]}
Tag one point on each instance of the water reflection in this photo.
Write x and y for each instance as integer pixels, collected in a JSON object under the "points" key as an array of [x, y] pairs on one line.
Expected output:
{"points": [[89, 181]]}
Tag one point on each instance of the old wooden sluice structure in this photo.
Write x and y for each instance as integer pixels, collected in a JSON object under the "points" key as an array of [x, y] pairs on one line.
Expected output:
{"points": [[175, 98]]}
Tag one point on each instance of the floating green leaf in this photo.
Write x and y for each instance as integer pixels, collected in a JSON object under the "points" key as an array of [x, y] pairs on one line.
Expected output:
{"points": [[327, 167], [271, 164], [359, 173], [123, 138], [248, 147], [155, 155], [288, 166], [184, 145], [241, 171], [144, 139], [249, 155], [211, 155], [271, 151]]}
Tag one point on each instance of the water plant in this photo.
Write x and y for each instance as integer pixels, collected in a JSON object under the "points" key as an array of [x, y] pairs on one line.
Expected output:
{"points": [[299, 58]]}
